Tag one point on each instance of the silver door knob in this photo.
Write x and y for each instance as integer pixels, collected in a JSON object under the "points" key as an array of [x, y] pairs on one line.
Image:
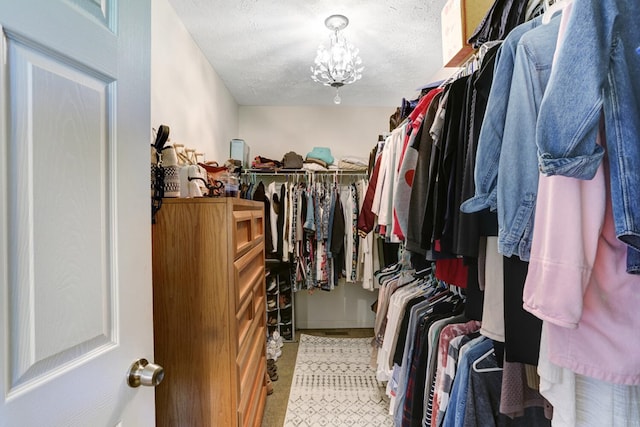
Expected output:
{"points": [[142, 372]]}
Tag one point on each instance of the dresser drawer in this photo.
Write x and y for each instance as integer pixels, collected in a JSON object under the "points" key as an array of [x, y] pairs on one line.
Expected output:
{"points": [[252, 308], [248, 271], [247, 229], [250, 366], [242, 231], [260, 302], [250, 415], [257, 221], [244, 317]]}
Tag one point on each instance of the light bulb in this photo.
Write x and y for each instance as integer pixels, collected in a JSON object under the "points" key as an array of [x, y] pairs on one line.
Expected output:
{"points": [[337, 98]]}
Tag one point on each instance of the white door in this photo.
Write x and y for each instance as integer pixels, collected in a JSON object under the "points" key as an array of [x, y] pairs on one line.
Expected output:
{"points": [[75, 250]]}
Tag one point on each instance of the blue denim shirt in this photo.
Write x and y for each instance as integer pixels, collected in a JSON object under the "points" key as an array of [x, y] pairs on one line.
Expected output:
{"points": [[598, 68], [516, 157]]}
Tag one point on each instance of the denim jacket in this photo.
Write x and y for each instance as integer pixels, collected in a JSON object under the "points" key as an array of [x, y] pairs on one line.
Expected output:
{"points": [[492, 130], [514, 158], [598, 68]]}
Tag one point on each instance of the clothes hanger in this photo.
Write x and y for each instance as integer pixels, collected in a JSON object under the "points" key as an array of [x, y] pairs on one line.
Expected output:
{"points": [[535, 8], [480, 359], [457, 291], [424, 272], [551, 10], [486, 46]]}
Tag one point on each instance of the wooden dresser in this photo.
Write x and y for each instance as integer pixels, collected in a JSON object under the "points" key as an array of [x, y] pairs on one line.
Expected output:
{"points": [[209, 312]]}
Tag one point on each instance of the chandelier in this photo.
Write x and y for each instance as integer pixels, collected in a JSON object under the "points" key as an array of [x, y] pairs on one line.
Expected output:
{"points": [[340, 64]]}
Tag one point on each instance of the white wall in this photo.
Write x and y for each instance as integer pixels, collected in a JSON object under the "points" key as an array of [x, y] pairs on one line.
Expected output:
{"points": [[273, 131], [347, 306], [186, 92]]}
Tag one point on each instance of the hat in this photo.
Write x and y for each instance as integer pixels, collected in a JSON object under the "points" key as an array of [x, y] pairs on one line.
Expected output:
{"points": [[292, 160], [321, 153]]}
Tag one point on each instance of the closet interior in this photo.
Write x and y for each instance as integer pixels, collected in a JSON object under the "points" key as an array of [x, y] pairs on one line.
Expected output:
{"points": [[493, 225]]}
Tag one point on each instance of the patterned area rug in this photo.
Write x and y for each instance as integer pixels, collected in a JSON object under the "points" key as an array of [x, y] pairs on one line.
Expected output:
{"points": [[333, 385]]}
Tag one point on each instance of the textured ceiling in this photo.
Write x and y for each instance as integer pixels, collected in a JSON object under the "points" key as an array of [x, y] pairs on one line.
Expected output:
{"points": [[263, 49]]}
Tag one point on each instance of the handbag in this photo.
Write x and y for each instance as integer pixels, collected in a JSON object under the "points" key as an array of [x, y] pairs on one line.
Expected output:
{"points": [[171, 172], [215, 178], [192, 176], [158, 170]]}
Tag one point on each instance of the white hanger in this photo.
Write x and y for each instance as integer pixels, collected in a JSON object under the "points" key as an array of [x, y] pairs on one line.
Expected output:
{"points": [[534, 6], [480, 359], [485, 47], [553, 9]]}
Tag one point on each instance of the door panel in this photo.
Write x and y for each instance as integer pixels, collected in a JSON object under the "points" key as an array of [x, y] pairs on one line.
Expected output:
{"points": [[75, 250], [61, 277]]}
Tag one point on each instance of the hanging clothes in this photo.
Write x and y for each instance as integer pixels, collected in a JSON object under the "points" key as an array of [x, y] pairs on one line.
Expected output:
{"points": [[408, 164], [313, 226], [497, 187]]}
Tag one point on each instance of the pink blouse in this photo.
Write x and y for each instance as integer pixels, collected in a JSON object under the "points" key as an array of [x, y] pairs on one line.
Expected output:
{"points": [[577, 281]]}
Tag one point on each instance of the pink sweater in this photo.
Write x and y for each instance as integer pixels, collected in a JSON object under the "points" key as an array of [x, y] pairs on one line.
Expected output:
{"points": [[577, 281]]}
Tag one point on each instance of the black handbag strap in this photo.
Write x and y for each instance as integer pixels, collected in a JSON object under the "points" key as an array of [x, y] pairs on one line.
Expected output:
{"points": [[162, 135], [161, 138]]}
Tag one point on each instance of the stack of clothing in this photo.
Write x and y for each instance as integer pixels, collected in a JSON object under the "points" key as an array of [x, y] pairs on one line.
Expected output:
{"points": [[351, 163], [264, 163]]}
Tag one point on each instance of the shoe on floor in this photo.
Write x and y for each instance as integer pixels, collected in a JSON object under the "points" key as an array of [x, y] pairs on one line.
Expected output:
{"points": [[277, 339], [271, 366], [273, 353], [269, 384]]}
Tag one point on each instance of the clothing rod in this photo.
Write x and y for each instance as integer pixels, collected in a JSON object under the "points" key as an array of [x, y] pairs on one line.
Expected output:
{"points": [[304, 172]]}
